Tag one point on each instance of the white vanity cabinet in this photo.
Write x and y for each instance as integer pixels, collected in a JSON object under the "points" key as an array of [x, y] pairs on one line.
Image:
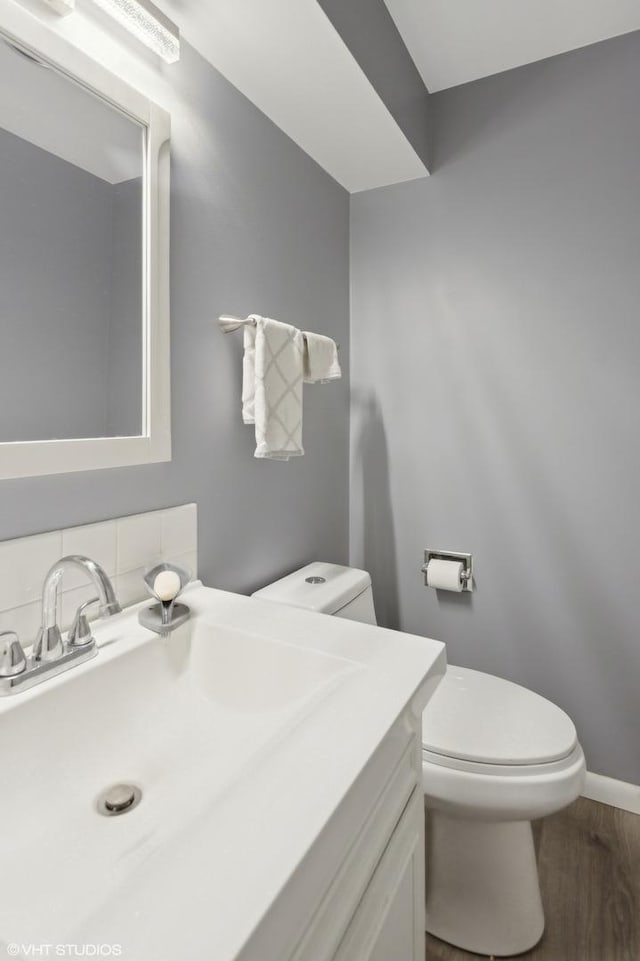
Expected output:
{"points": [[388, 924], [372, 853]]}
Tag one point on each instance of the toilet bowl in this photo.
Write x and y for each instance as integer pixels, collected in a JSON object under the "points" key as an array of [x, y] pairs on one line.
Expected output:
{"points": [[495, 756]]}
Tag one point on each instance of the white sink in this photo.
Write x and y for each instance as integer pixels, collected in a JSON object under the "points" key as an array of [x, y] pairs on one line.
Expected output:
{"points": [[181, 718], [244, 731]]}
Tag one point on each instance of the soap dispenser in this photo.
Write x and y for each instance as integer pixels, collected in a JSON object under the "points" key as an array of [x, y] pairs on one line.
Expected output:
{"points": [[165, 582]]}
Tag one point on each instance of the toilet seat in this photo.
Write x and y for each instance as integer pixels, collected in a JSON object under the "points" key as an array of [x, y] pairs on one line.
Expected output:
{"points": [[484, 720], [498, 770]]}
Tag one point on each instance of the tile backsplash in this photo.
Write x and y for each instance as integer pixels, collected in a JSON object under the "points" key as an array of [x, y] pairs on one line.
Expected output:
{"points": [[124, 546]]}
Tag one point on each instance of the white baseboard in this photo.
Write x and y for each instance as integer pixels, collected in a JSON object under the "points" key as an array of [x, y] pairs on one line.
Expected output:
{"points": [[618, 794]]}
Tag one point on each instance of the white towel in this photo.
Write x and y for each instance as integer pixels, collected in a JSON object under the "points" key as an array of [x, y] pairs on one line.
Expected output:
{"points": [[272, 387], [320, 359]]}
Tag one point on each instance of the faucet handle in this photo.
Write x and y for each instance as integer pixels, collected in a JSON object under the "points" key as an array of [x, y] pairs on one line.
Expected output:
{"points": [[48, 644], [80, 633], [13, 660]]}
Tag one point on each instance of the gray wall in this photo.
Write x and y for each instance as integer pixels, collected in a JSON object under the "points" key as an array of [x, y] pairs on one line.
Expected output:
{"points": [[496, 386], [255, 226], [368, 30]]}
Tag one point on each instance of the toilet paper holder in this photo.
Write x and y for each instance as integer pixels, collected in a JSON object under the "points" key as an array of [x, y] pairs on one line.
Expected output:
{"points": [[466, 575]]}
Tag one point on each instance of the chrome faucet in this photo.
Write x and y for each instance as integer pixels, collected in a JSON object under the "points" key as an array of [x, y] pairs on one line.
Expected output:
{"points": [[51, 655], [48, 645]]}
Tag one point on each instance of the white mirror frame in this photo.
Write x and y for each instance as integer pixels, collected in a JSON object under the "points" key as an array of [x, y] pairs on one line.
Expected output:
{"points": [[32, 458]]}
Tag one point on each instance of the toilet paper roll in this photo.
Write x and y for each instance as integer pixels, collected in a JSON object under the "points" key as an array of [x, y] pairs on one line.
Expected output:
{"points": [[445, 575]]}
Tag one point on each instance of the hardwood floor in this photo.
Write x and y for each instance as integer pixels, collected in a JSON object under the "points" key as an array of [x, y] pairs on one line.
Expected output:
{"points": [[589, 862]]}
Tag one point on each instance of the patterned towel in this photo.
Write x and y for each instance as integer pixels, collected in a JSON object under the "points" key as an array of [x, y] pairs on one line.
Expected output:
{"points": [[272, 377]]}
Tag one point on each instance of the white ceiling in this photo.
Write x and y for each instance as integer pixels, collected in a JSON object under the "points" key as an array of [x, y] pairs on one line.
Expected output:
{"points": [[286, 57], [455, 41]]}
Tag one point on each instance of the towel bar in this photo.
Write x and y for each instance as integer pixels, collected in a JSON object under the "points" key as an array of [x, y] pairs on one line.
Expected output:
{"points": [[228, 323]]}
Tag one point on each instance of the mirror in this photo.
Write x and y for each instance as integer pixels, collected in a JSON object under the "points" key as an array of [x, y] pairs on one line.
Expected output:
{"points": [[70, 258], [83, 244]]}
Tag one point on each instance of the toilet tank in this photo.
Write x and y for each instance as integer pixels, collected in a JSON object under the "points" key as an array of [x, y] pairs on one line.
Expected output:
{"points": [[327, 589]]}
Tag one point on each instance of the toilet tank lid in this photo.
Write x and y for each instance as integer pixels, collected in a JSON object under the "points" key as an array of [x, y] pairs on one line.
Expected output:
{"points": [[321, 587]]}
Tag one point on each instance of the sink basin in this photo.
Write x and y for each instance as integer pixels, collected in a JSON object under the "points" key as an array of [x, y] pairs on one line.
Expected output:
{"points": [[183, 719], [248, 674]]}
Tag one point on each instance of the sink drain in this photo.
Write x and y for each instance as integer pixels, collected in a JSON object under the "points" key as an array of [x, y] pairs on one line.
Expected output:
{"points": [[119, 799]]}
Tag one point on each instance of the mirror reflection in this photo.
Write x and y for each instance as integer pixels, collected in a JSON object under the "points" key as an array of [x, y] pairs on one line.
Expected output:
{"points": [[71, 262]]}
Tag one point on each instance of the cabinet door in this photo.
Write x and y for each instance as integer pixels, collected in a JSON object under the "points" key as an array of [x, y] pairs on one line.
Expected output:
{"points": [[389, 922]]}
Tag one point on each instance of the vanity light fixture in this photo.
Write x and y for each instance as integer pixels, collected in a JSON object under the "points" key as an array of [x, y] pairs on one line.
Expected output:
{"points": [[148, 24]]}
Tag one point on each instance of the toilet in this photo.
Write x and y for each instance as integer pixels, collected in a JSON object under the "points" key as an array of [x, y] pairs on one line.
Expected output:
{"points": [[495, 756]]}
